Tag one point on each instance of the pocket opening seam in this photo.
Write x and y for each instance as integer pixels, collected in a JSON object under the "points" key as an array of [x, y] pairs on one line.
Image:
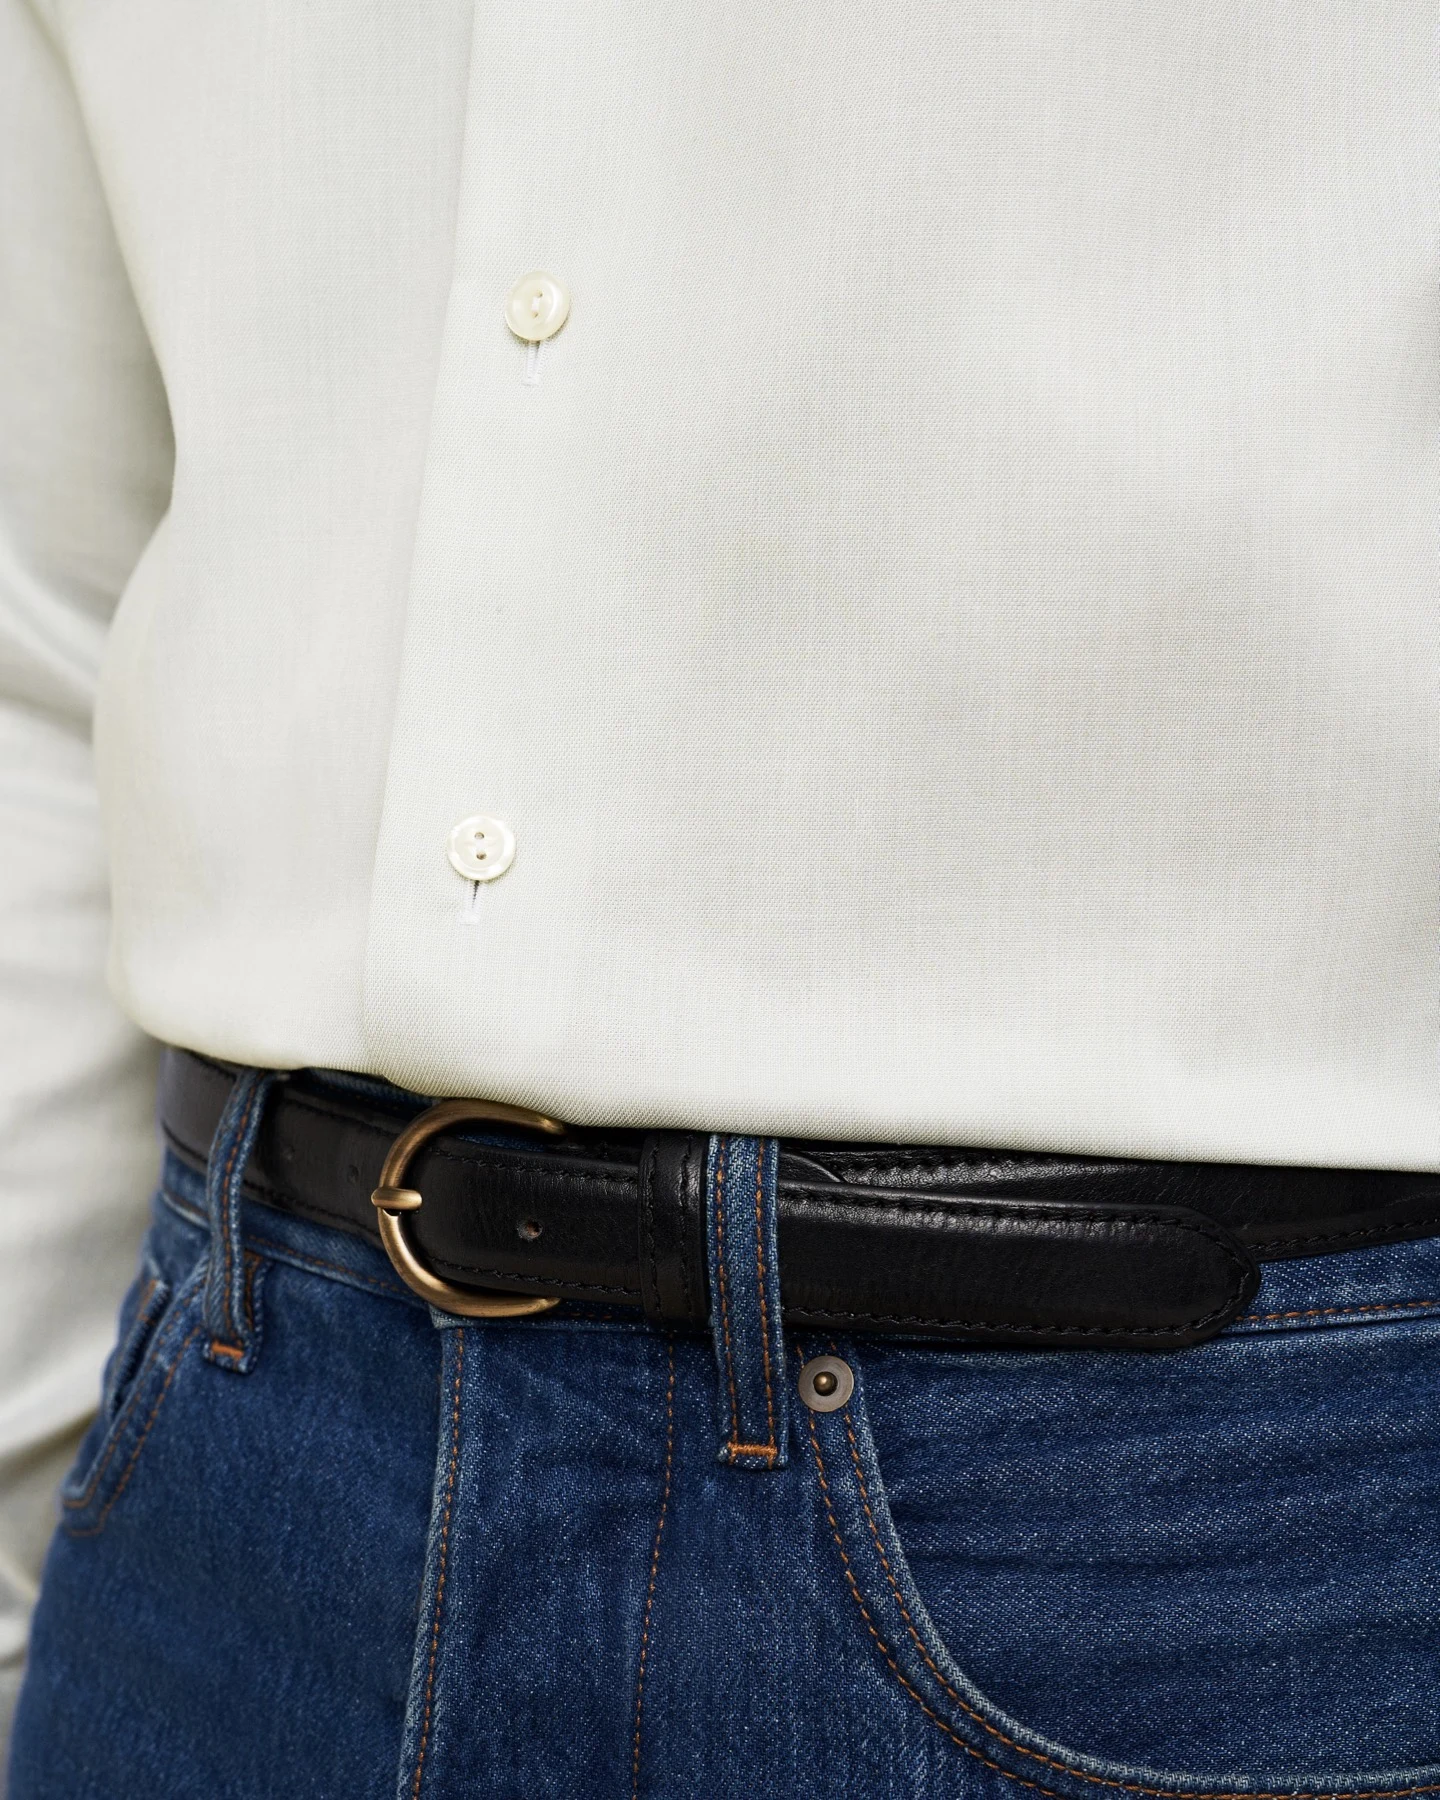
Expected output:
{"points": [[131, 1349], [166, 1335], [80, 1531], [1050, 1762]]}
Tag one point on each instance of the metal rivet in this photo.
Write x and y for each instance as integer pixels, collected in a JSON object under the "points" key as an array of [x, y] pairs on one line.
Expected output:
{"points": [[826, 1384]]}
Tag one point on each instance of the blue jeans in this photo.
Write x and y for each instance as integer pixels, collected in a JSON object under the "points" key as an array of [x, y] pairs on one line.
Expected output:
{"points": [[398, 1555]]}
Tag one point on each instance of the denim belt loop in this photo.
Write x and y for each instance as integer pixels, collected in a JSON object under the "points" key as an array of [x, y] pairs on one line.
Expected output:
{"points": [[231, 1301], [744, 1261]]}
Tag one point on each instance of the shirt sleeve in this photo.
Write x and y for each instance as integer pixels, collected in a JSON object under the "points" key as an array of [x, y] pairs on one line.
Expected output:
{"points": [[85, 467]]}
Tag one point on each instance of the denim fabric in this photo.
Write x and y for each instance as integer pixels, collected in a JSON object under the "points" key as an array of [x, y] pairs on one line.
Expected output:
{"points": [[741, 1233], [502, 1560], [231, 1314]]}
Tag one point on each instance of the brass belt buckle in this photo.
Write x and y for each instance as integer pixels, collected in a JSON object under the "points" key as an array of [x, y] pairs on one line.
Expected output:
{"points": [[393, 1201]]}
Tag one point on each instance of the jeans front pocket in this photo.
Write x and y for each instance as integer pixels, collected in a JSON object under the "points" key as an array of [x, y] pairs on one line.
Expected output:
{"points": [[160, 1328], [1211, 1572], [144, 1307]]}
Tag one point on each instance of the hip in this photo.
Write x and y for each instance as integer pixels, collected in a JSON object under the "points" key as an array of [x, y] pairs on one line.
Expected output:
{"points": [[406, 1553]]}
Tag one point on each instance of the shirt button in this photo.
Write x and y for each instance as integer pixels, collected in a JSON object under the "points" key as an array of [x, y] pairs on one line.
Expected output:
{"points": [[481, 848], [538, 305]]}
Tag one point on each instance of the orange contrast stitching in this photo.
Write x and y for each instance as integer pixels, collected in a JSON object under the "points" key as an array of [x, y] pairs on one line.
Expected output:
{"points": [[1323, 1312], [654, 1567], [141, 1303], [219, 1348], [760, 1283], [168, 1331], [768, 1451], [720, 1162], [444, 1557], [884, 1648], [1049, 1762], [99, 1525]]}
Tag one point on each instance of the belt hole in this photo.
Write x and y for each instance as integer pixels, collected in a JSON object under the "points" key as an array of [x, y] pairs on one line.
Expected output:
{"points": [[529, 1229]]}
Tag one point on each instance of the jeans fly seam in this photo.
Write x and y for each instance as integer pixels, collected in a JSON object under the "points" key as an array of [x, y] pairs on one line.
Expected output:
{"points": [[654, 1570], [1133, 1787], [99, 1525], [444, 1558]]}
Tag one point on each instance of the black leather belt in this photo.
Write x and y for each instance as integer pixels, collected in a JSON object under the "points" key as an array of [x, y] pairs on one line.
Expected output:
{"points": [[984, 1246]]}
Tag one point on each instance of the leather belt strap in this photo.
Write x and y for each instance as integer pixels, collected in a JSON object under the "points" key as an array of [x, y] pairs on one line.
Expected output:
{"points": [[983, 1246]]}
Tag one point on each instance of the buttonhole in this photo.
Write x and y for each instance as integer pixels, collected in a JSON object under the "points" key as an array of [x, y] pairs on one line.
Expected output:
{"points": [[529, 1229]]}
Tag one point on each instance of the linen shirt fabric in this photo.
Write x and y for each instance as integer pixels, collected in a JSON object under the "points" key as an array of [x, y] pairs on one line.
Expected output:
{"points": [[950, 619]]}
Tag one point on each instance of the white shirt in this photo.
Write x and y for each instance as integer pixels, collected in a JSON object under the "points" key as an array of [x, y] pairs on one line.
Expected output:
{"points": [[949, 620]]}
